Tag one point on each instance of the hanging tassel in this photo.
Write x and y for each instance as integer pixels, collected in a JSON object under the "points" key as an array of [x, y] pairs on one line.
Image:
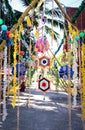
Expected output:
{"points": [[29, 22]]}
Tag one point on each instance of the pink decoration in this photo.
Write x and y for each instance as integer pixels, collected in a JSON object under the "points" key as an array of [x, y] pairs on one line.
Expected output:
{"points": [[22, 78], [42, 44]]}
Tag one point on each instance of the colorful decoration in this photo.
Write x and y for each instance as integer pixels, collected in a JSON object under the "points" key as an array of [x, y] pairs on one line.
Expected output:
{"points": [[3, 27], [81, 34], [44, 84], [21, 53], [64, 71], [75, 78], [14, 77], [29, 22], [1, 21], [20, 69], [5, 85], [44, 61], [83, 81], [42, 44], [5, 36]]}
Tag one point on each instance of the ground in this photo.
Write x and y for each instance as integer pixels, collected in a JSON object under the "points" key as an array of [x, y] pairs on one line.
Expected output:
{"points": [[42, 111]]}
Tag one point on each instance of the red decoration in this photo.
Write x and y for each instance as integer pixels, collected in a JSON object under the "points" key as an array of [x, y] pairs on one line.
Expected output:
{"points": [[44, 84], [21, 53]]}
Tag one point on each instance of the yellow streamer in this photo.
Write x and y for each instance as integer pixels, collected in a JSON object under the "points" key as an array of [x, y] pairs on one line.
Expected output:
{"points": [[14, 77], [83, 81], [29, 22]]}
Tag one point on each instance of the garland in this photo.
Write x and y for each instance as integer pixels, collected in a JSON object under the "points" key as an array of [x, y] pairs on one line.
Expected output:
{"points": [[14, 76], [75, 79], [5, 85], [83, 81]]}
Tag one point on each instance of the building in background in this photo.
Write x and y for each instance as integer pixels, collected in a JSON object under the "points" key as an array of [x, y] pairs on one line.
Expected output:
{"points": [[80, 22]]}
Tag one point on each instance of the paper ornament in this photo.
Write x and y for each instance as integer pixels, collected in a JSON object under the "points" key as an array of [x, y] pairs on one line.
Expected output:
{"points": [[44, 84], [44, 62]]}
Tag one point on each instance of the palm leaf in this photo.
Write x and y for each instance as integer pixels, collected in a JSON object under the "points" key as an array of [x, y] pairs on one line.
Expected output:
{"points": [[49, 31], [55, 22]]}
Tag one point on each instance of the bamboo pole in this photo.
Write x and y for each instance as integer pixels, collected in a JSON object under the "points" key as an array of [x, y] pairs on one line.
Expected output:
{"points": [[19, 21]]}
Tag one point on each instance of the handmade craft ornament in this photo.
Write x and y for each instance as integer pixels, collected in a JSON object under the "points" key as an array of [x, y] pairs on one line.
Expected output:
{"points": [[42, 44], [44, 62], [44, 84]]}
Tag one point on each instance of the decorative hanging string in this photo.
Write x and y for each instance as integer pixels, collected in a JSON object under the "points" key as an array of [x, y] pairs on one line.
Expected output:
{"points": [[69, 89], [18, 91], [0, 84], [75, 78], [5, 85], [30, 47], [14, 76], [83, 81]]}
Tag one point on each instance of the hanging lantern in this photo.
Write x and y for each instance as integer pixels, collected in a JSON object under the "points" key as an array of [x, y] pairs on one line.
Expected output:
{"points": [[4, 27], [1, 21]]}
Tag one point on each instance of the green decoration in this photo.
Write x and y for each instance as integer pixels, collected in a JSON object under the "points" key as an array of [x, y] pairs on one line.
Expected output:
{"points": [[1, 21], [77, 13], [81, 34], [72, 42]]}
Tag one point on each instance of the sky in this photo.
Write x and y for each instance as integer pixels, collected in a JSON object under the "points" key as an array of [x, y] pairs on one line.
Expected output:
{"points": [[16, 4]]}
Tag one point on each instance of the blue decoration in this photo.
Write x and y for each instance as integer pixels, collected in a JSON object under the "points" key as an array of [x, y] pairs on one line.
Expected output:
{"points": [[8, 42], [4, 36], [77, 38], [20, 69], [4, 27], [64, 71], [59, 47], [55, 63]]}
